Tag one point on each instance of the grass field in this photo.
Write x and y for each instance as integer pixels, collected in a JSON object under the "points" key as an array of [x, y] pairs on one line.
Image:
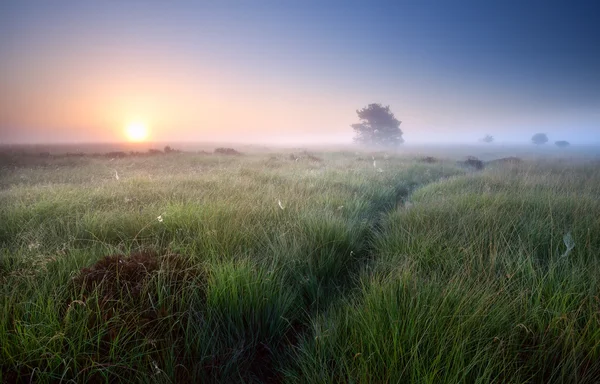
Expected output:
{"points": [[330, 268]]}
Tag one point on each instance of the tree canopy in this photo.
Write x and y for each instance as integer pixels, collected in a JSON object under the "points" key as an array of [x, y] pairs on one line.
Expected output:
{"points": [[562, 143], [539, 138], [378, 127], [488, 139]]}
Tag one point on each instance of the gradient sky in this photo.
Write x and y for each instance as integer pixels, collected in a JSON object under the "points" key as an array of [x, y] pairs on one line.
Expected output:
{"points": [[296, 71]]}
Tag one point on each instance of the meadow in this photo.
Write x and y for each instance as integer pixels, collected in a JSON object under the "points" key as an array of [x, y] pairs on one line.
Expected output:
{"points": [[324, 267]]}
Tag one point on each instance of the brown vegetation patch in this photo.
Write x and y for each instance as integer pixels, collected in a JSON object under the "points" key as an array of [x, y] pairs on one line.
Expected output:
{"points": [[125, 278], [118, 296], [114, 275], [122, 293]]}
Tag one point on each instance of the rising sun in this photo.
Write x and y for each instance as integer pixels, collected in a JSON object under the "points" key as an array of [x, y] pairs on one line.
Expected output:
{"points": [[136, 132]]}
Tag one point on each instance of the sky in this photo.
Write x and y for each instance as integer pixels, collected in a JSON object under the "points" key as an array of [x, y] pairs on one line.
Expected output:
{"points": [[296, 71]]}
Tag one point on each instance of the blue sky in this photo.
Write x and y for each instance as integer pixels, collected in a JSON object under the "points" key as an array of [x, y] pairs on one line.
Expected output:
{"points": [[297, 70]]}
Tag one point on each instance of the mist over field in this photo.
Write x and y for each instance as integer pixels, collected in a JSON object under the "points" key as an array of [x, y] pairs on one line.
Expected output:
{"points": [[299, 192], [270, 72]]}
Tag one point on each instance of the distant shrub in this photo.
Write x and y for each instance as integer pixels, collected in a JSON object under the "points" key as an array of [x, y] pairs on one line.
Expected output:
{"points": [[562, 143], [227, 151], [168, 149], [473, 162]]}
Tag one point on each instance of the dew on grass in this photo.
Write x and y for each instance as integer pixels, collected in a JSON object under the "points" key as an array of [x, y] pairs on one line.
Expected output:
{"points": [[157, 370], [569, 243]]}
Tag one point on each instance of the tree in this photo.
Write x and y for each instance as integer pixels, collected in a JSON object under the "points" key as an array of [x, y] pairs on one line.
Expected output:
{"points": [[539, 138], [562, 143], [378, 126], [488, 139]]}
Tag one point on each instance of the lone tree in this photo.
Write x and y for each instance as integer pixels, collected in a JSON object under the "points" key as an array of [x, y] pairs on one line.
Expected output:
{"points": [[562, 143], [378, 127], [488, 139], [539, 138]]}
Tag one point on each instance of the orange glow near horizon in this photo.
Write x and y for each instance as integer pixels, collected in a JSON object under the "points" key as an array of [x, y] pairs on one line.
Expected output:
{"points": [[136, 132]]}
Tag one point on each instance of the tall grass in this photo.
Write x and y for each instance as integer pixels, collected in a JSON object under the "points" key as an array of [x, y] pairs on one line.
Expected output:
{"points": [[421, 272], [472, 284]]}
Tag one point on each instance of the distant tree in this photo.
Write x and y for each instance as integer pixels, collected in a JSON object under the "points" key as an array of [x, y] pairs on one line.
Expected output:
{"points": [[539, 138], [488, 139], [378, 126], [562, 143]]}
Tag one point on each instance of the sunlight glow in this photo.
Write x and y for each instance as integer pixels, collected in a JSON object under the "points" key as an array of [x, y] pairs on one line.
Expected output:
{"points": [[136, 132]]}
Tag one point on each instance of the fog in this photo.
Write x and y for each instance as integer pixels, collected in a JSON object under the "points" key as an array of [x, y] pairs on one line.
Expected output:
{"points": [[574, 137], [295, 73]]}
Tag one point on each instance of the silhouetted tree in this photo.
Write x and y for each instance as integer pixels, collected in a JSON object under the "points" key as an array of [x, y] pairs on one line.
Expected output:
{"points": [[488, 139], [562, 143], [539, 138], [378, 126]]}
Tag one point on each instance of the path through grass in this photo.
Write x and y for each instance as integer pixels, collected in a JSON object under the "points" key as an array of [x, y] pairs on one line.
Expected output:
{"points": [[264, 268]]}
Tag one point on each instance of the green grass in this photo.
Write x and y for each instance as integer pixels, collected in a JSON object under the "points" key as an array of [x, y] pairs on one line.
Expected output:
{"points": [[418, 273]]}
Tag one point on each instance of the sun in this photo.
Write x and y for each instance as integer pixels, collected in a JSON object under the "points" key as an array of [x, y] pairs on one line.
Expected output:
{"points": [[136, 132]]}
